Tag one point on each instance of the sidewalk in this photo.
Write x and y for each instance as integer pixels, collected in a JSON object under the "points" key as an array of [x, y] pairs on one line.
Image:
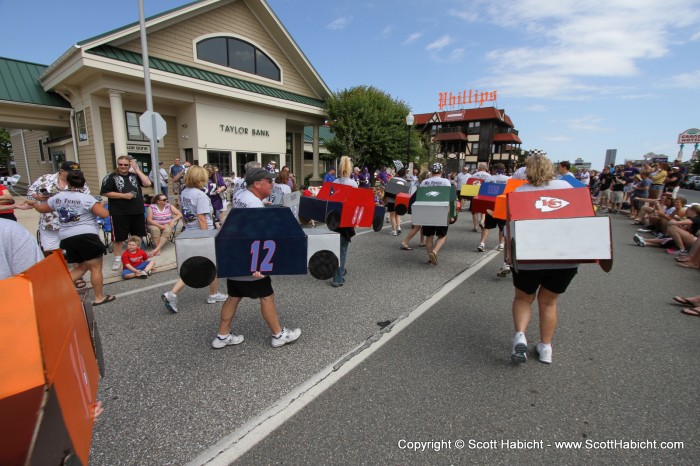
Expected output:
{"points": [[29, 219]]}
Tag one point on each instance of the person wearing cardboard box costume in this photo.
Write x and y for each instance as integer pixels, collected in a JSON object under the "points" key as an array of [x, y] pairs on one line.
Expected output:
{"points": [[435, 179], [256, 286], [542, 281], [344, 172]]}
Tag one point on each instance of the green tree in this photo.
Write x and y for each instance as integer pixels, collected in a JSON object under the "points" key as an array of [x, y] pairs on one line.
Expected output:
{"points": [[5, 148], [369, 126]]}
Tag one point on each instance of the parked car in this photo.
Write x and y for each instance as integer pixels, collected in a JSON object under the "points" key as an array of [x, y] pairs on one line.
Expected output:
{"points": [[691, 182]]}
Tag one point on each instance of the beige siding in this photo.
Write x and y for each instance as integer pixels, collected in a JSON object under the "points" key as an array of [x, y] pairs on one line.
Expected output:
{"points": [[86, 155], [175, 43], [37, 168]]}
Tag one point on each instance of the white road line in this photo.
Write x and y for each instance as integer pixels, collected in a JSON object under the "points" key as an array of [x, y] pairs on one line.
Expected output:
{"points": [[146, 288], [239, 442]]}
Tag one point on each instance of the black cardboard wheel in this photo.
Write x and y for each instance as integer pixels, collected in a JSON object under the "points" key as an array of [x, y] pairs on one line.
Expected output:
{"points": [[198, 272], [333, 220], [323, 264]]}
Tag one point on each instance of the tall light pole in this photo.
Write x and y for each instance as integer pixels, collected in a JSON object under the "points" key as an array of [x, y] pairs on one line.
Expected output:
{"points": [[409, 124]]}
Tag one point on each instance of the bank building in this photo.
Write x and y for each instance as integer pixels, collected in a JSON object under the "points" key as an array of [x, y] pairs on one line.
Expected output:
{"points": [[226, 76]]}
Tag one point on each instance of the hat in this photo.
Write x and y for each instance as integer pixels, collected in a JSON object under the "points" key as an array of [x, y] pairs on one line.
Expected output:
{"points": [[69, 165], [257, 174], [436, 167], [272, 161], [675, 168]]}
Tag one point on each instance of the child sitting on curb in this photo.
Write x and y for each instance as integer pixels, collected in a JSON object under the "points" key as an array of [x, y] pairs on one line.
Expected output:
{"points": [[136, 261]]}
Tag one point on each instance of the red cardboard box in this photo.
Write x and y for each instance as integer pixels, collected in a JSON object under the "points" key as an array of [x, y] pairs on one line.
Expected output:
{"points": [[557, 226]]}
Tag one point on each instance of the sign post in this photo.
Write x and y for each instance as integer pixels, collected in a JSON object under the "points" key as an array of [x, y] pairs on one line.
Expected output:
{"points": [[150, 123]]}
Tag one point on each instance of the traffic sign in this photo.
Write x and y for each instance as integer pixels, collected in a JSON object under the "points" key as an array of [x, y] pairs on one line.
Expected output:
{"points": [[146, 125]]}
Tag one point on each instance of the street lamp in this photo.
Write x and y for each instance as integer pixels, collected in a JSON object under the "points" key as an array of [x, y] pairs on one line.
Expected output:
{"points": [[409, 124]]}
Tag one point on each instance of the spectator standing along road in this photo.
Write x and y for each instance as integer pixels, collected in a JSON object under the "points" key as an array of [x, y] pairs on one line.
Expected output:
{"points": [[176, 171], [163, 178], [123, 189]]}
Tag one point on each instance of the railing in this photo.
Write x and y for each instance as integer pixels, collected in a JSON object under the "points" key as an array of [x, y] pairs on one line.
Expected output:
{"points": [[459, 129]]}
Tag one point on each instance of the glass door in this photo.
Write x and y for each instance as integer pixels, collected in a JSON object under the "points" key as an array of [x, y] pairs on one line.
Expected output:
{"points": [[241, 159]]}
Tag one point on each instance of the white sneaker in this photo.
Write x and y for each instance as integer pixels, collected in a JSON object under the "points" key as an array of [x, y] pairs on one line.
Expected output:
{"points": [[500, 247], [544, 352], [288, 336], [519, 353], [505, 270], [639, 240], [230, 339], [481, 248], [393, 233], [216, 298], [117, 264], [170, 300]]}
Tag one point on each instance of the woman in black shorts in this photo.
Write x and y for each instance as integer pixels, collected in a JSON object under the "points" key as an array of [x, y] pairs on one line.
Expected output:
{"points": [[542, 281], [80, 242]]}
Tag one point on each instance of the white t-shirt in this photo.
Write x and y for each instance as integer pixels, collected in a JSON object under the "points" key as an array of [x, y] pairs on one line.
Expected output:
{"points": [[74, 213], [482, 175], [520, 174], [18, 249], [586, 178], [498, 179], [436, 181], [460, 179], [346, 181], [553, 184], [278, 192], [194, 202], [246, 199], [238, 187]]}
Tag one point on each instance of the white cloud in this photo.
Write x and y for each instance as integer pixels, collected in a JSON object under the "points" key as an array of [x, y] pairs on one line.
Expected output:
{"points": [[570, 44], [439, 44], [588, 123], [536, 108], [557, 138], [412, 38], [387, 31], [340, 23], [471, 15], [684, 81], [456, 54]]}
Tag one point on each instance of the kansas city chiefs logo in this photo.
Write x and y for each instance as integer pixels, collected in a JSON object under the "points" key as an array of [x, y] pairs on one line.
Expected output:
{"points": [[432, 194], [549, 204]]}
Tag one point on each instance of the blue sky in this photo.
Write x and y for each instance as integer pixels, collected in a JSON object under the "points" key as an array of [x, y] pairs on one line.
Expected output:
{"points": [[577, 77]]}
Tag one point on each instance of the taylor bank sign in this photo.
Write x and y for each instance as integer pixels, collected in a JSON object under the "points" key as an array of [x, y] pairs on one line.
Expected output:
{"points": [[226, 129]]}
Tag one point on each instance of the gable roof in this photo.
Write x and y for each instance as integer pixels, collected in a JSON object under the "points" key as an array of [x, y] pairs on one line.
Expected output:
{"points": [[168, 66], [19, 82], [260, 9], [471, 114]]}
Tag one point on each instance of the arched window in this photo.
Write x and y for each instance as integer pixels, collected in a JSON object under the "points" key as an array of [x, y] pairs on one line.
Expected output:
{"points": [[239, 55]]}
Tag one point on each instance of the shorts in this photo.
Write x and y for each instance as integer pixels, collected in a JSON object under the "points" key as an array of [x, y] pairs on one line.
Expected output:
{"points": [[390, 206], [250, 289], [657, 187], [82, 248], [616, 197], [628, 188], [433, 230], [554, 280], [49, 240], [490, 223], [604, 194], [141, 266], [124, 226]]}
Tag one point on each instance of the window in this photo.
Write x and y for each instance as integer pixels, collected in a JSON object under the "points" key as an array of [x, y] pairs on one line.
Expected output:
{"points": [[242, 159], [222, 160], [81, 126], [41, 151], [132, 127], [239, 55]]}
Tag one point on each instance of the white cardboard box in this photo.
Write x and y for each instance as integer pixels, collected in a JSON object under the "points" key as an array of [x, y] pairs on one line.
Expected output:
{"points": [[430, 213], [192, 243], [563, 239]]}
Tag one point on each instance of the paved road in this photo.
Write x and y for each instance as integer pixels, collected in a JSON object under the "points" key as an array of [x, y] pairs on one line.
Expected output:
{"points": [[623, 365]]}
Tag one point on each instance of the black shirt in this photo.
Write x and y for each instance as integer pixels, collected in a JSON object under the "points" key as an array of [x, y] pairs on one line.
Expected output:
{"points": [[124, 184], [606, 180]]}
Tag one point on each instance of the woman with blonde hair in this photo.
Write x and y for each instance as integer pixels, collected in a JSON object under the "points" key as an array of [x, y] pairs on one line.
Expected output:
{"points": [[344, 172], [197, 215], [543, 282]]}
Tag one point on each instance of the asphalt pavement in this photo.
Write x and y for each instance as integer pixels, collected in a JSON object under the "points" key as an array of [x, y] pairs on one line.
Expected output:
{"points": [[623, 358]]}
